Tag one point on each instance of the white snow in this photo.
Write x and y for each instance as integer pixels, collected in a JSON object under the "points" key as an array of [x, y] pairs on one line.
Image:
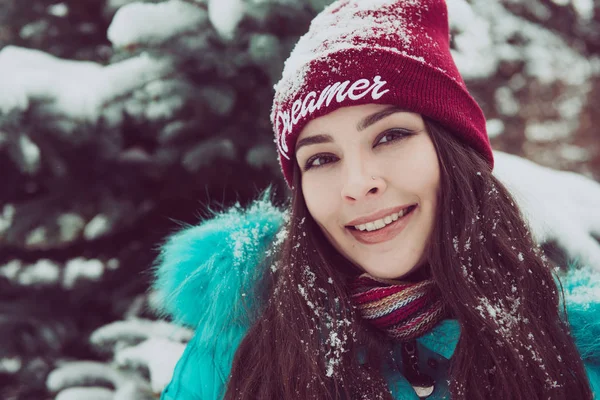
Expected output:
{"points": [[225, 15], [70, 225], [10, 365], [136, 329], [159, 355], [585, 8], [87, 393], [587, 289], [112, 264], [472, 41], [484, 29], [98, 226], [80, 268], [6, 217], [549, 131], [36, 238], [31, 154], [327, 35], [81, 373], [58, 10], [506, 102], [43, 272], [559, 205], [494, 127], [148, 23], [11, 269], [75, 89]]}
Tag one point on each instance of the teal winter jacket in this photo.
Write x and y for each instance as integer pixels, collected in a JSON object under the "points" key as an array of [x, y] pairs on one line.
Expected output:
{"points": [[205, 271]]}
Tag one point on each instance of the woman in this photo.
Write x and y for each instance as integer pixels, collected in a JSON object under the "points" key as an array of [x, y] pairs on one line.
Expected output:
{"points": [[404, 269]]}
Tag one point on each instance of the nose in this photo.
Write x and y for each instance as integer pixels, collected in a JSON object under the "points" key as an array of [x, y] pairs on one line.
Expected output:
{"points": [[360, 184]]}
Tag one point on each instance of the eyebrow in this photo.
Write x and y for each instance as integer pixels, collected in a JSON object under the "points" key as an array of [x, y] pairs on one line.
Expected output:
{"points": [[361, 126]]}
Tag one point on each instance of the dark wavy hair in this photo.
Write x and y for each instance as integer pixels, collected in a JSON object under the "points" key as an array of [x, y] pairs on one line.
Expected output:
{"points": [[308, 342]]}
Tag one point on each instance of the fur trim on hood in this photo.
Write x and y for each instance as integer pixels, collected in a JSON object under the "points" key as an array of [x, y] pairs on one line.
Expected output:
{"points": [[205, 275]]}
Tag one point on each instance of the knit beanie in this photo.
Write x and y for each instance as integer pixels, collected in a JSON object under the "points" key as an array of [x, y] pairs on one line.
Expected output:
{"points": [[394, 52]]}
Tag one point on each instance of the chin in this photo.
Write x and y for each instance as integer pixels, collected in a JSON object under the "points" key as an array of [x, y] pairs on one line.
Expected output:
{"points": [[388, 273]]}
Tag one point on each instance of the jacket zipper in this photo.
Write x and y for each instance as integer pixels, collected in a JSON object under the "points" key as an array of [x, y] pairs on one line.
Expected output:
{"points": [[422, 384]]}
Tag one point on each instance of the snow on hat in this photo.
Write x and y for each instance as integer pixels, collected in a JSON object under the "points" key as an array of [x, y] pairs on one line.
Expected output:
{"points": [[375, 51]]}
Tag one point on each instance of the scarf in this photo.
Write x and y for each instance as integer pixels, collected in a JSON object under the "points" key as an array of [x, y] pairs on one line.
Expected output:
{"points": [[405, 310]]}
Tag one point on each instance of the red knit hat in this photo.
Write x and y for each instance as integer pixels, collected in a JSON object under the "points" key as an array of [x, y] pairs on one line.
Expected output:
{"points": [[375, 51]]}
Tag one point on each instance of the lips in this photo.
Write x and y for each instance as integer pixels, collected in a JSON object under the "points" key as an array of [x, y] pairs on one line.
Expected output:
{"points": [[384, 234]]}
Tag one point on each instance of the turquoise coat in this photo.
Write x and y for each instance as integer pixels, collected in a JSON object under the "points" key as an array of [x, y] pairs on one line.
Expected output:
{"points": [[204, 271]]}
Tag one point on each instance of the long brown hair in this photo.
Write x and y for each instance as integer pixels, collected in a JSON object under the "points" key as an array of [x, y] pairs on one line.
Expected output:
{"points": [[308, 341]]}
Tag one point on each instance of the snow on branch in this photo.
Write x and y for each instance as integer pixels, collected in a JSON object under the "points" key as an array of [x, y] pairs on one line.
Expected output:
{"points": [[136, 330], [559, 205], [225, 15], [483, 40], [88, 393], [150, 24], [158, 355], [75, 89], [86, 373]]}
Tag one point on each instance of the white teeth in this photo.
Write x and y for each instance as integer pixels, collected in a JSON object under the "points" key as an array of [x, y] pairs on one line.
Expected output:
{"points": [[380, 223]]}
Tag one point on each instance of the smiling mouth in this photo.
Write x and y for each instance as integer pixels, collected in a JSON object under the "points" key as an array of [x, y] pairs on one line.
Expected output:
{"points": [[383, 223]]}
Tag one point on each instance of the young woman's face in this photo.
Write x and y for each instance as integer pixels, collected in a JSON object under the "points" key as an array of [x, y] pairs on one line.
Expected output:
{"points": [[370, 178]]}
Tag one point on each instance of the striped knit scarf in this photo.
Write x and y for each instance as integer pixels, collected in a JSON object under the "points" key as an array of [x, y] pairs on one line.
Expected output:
{"points": [[405, 310]]}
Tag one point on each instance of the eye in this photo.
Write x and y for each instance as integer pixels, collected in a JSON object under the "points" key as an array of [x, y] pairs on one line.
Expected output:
{"points": [[318, 160], [393, 135]]}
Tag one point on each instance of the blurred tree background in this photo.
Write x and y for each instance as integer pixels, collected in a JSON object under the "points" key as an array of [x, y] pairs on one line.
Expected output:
{"points": [[119, 119]]}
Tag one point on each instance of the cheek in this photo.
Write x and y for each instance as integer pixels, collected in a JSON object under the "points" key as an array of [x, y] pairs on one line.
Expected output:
{"points": [[319, 200]]}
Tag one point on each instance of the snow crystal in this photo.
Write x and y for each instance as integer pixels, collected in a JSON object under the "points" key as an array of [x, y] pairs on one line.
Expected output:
{"points": [[280, 237], [521, 258], [148, 23], [225, 15], [80, 268]]}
